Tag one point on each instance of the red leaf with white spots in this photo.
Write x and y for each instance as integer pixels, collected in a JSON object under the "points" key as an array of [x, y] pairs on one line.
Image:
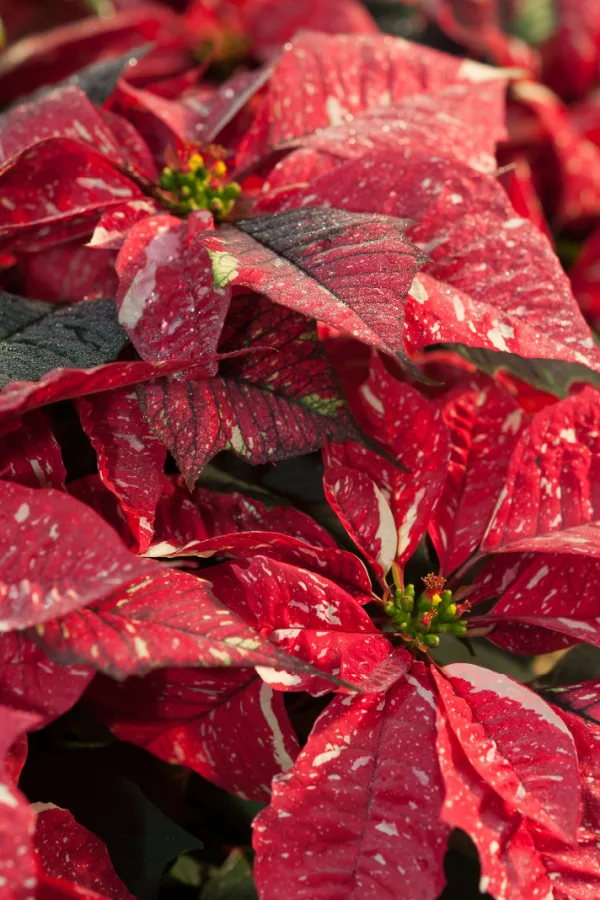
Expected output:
{"points": [[510, 866], [585, 278], [280, 401], [112, 227], [182, 517], [572, 55], [386, 508], [550, 500], [484, 423], [581, 699], [324, 80], [513, 739], [493, 279], [17, 863], [309, 617], [40, 209], [299, 167], [519, 185], [518, 859], [51, 55], [130, 459], [63, 113], [463, 121], [271, 24], [30, 455], [497, 575], [357, 816], [209, 112], [575, 183], [67, 850], [65, 384], [170, 310], [559, 593], [30, 681], [168, 618], [352, 272], [69, 273], [15, 760], [345, 569], [73, 558], [224, 724], [575, 871], [481, 27], [91, 491], [529, 640]]}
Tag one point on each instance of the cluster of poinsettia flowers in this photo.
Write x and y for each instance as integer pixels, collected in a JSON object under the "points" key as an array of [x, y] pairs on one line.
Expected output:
{"points": [[256, 267]]}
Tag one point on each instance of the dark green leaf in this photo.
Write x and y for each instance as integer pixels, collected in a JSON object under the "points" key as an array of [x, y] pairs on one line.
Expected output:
{"points": [[549, 375], [36, 338], [233, 881]]}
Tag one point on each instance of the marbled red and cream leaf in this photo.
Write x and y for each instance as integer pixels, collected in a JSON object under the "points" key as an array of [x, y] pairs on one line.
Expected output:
{"points": [[516, 743], [130, 458], [358, 814], [484, 423], [73, 557], [550, 500], [225, 724]]}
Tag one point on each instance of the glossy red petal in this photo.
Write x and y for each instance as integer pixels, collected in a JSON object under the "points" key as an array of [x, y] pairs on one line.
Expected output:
{"points": [[130, 459], [41, 210], [558, 593], [341, 567], [69, 273], [31, 682], [112, 227], [519, 185], [585, 278], [493, 279], [578, 170], [281, 400], [351, 271], [463, 121], [17, 862], [224, 724], [49, 56], [358, 813], [510, 866], [550, 499], [572, 56], [31, 455], [73, 558], [65, 384], [183, 517], [308, 616], [386, 508], [168, 618], [65, 849], [63, 113], [580, 699], [484, 423], [513, 739], [271, 25], [323, 80], [169, 309]]}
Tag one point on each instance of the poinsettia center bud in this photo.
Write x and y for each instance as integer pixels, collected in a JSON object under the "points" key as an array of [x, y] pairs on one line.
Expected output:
{"points": [[201, 181], [421, 620]]}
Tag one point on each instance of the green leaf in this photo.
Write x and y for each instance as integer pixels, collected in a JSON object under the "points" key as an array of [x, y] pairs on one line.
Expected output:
{"points": [[550, 375], [535, 21], [233, 881]]}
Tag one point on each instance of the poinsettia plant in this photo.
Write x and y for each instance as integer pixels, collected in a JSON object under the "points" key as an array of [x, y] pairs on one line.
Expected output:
{"points": [[299, 456]]}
